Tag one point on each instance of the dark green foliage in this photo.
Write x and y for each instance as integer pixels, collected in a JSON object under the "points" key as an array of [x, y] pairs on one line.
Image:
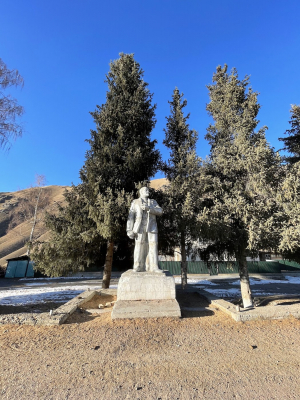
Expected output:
{"points": [[74, 242], [292, 142], [122, 154], [181, 198]]}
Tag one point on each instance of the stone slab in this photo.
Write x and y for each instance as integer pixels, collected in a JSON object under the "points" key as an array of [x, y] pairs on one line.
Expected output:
{"points": [[146, 286], [98, 310], [255, 313], [146, 309], [58, 316], [110, 292]]}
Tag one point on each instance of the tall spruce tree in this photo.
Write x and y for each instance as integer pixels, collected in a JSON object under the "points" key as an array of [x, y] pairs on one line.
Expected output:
{"points": [[292, 141], [244, 173], [122, 154], [181, 198], [74, 241]]}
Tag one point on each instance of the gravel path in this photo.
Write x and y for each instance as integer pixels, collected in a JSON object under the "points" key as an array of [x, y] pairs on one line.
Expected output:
{"points": [[204, 355]]}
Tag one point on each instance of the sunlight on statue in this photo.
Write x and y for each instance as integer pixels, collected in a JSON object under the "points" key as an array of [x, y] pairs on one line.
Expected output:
{"points": [[142, 227]]}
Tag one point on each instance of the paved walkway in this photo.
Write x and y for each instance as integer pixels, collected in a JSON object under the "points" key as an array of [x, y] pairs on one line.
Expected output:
{"points": [[28, 283], [269, 284], [222, 285]]}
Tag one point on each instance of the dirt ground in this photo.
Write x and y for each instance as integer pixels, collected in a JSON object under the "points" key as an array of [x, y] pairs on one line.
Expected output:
{"points": [[96, 300], [204, 355]]}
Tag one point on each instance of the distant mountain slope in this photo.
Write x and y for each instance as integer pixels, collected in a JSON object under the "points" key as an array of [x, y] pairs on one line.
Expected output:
{"points": [[158, 183], [13, 242]]}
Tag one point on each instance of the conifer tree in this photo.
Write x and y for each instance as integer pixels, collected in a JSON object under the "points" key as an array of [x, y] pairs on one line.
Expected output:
{"points": [[292, 142], [183, 171], [289, 198], [121, 155], [74, 241], [289, 192], [244, 173]]}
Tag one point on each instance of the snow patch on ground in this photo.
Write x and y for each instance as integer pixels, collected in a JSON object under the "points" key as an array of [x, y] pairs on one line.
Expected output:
{"points": [[195, 281], [50, 284], [224, 293], [16, 297], [36, 284], [261, 293], [293, 279], [63, 292], [288, 279], [257, 282], [59, 278], [236, 292]]}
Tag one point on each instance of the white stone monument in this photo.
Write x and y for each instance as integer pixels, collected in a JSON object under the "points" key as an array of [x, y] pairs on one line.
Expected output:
{"points": [[145, 291]]}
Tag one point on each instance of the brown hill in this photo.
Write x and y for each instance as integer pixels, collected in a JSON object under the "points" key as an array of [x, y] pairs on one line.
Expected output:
{"points": [[158, 183], [16, 221], [14, 236]]}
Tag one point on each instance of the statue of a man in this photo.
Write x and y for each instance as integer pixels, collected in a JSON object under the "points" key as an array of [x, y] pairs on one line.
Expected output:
{"points": [[142, 226]]}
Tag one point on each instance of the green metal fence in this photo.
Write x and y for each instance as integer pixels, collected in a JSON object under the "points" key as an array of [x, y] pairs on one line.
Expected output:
{"points": [[289, 265], [19, 269], [229, 267]]}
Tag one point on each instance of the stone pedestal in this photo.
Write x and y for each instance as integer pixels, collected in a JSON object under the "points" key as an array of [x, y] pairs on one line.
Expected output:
{"points": [[146, 295]]}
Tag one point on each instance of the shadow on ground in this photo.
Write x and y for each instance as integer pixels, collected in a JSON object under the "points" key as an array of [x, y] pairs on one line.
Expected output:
{"points": [[29, 308], [192, 304], [276, 301], [79, 317]]}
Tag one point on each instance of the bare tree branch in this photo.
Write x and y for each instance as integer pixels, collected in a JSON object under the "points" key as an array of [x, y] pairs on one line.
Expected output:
{"points": [[31, 209], [10, 110]]}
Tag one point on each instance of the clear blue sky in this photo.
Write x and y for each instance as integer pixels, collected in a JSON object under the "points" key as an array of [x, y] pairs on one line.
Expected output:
{"points": [[63, 50]]}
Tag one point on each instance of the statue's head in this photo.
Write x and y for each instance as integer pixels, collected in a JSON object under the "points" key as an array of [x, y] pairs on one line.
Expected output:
{"points": [[144, 192]]}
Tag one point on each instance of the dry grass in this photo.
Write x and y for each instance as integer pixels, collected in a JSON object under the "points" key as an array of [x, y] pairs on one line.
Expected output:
{"points": [[13, 241]]}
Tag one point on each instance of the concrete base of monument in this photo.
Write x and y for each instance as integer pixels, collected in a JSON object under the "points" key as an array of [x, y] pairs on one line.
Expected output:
{"points": [[146, 309], [146, 295], [146, 286]]}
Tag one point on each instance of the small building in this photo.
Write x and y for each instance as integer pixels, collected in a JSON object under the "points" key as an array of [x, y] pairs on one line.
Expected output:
{"points": [[19, 267]]}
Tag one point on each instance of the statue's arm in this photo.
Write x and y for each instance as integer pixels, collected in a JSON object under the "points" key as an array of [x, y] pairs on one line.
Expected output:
{"points": [[155, 209], [131, 218]]}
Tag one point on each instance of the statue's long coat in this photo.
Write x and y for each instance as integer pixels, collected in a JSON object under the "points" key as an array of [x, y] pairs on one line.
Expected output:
{"points": [[134, 222]]}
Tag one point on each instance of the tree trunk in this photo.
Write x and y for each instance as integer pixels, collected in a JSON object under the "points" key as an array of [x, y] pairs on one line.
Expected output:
{"points": [[183, 262], [244, 279], [34, 221], [108, 265]]}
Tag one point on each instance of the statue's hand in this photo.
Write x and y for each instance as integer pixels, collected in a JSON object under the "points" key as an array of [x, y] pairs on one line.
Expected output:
{"points": [[145, 208], [131, 234]]}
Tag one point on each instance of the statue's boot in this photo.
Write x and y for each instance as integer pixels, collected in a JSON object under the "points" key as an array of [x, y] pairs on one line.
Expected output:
{"points": [[138, 269], [155, 269]]}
